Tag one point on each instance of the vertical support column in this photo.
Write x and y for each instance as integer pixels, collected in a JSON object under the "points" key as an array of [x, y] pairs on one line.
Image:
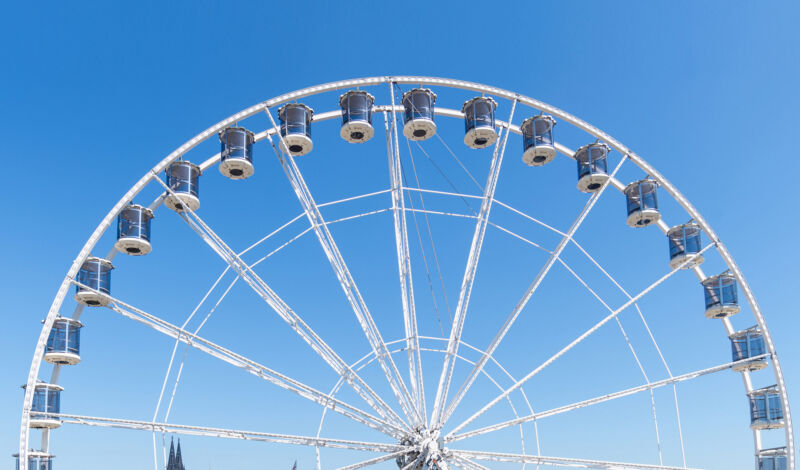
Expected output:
{"points": [[404, 262]]}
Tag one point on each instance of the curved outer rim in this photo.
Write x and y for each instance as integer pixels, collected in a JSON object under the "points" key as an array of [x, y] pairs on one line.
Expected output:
{"points": [[429, 81]]}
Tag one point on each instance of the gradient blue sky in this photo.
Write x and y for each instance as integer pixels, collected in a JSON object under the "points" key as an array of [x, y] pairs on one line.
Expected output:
{"points": [[95, 93]]}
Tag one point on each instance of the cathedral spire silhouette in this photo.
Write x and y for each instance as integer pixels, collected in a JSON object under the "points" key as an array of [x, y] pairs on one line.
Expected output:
{"points": [[178, 458], [175, 461], [171, 460]]}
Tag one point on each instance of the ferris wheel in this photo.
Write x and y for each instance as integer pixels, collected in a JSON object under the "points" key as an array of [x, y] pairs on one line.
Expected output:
{"points": [[412, 398]]}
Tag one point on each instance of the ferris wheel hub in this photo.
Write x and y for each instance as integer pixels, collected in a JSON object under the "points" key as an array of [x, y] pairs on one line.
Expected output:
{"points": [[427, 443]]}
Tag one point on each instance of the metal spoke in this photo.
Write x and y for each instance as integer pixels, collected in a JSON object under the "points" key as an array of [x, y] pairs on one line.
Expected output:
{"points": [[499, 387], [446, 409], [452, 437], [345, 278], [630, 346], [224, 294], [370, 357], [510, 402], [226, 433], [242, 362], [496, 384], [233, 282], [361, 363], [230, 286], [380, 459], [182, 362], [469, 275], [404, 262], [466, 463], [633, 352], [569, 238], [287, 314], [622, 330], [529, 293], [559, 461], [575, 342], [129, 196], [652, 339]]}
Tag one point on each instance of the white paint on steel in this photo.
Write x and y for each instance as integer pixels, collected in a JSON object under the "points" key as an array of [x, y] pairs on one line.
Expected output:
{"points": [[575, 342], [250, 366], [529, 293], [559, 461], [538, 105], [227, 433], [375, 460], [603, 398], [286, 313], [345, 278], [33, 372], [469, 276], [369, 358], [404, 262]]}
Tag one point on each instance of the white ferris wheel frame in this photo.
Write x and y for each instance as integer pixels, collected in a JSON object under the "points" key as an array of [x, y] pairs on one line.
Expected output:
{"points": [[411, 402]]}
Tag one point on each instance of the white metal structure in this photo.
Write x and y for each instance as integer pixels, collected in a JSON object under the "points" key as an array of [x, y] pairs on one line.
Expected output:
{"points": [[417, 433]]}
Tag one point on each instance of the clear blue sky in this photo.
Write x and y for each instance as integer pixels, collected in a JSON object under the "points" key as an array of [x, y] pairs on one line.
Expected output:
{"points": [[93, 95]]}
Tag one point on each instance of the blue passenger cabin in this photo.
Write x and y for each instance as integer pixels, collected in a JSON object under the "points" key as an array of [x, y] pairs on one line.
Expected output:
{"points": [[46, 400], [592, 166], [721, 295], [642, 200], [479, 130], [685, 246], [64, 343], [538, 146], [236, 153], [772, 459], [95, 277], [766, 409], [295, 122], [356, 116], [419, 111], [133, 230], [183, 178], [37, 460], [746, 344]]}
